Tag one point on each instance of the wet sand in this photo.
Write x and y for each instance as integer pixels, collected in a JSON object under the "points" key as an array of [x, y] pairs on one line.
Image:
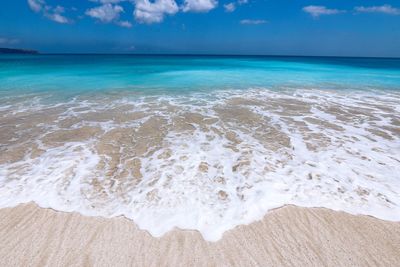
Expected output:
{"points": [[289, 236]]}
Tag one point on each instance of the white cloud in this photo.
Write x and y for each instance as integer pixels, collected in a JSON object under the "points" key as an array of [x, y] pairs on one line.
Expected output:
{"points": [[386, 9], [109, 12], [230, 7], [154, 12], [55, 14], [8, 41], [105, 13], [145, 11], [317, 11], [59, 9], [199, 5], [50, 12], [57, 17], [36, 5], [252, 21], [125, 24]]}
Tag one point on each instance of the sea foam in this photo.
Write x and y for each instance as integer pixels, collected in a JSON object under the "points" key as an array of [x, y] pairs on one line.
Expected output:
{"points": [[204, 162]]}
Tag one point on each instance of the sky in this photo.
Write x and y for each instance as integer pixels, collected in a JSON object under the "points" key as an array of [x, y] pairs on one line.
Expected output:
{"points": [[253, 27]]}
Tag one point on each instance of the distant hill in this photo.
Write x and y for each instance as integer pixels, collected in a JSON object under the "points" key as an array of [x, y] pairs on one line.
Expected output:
{"points": [[17, 51]]}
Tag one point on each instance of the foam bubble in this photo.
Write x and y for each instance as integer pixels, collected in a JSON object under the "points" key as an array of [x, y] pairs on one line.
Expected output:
{"points": [[205, 162]]}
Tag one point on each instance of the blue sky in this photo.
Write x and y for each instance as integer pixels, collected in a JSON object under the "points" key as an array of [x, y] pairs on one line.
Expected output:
{"points": [[273, 27]]}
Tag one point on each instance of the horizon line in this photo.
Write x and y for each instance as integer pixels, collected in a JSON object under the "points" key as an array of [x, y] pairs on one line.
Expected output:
{"points": [[215, 55], [195, 54]]}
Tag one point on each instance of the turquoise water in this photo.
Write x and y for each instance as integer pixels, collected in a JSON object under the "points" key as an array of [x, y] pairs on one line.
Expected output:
{"points": [[69, 75], [199, 142]]}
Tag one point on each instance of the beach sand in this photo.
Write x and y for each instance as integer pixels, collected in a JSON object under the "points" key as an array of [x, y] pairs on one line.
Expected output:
{"points": [[289, 236]]}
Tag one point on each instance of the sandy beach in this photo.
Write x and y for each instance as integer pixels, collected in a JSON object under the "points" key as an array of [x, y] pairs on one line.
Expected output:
{"points": [[199, 161], [289, 236], [199, 133]]}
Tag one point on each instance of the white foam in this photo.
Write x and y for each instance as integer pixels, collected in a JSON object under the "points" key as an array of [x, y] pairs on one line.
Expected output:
{"points": [[357, 171]]}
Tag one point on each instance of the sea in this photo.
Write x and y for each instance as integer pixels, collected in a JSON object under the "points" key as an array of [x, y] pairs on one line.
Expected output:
{"points": [[202, 143]]}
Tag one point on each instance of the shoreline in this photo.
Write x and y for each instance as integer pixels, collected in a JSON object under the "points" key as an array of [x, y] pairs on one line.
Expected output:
{"points": [[176, 228], [234, 157], [289, 235]]}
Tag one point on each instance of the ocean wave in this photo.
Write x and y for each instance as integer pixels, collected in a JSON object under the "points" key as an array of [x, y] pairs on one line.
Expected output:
{"points": [[204, 161]]}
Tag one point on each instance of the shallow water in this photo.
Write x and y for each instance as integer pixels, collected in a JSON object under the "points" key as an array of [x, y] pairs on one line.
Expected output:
{"points": [[203, 143]]}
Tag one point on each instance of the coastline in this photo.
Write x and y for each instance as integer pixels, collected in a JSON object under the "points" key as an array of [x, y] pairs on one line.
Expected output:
{"points": [[288, 236], [206, 144]]}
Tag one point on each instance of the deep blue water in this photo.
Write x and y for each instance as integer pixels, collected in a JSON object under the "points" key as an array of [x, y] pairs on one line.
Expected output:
{"points": [[71, 75]]}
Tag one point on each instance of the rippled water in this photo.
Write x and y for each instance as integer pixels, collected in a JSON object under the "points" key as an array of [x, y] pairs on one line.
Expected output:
{"points": [[203, 143]]}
